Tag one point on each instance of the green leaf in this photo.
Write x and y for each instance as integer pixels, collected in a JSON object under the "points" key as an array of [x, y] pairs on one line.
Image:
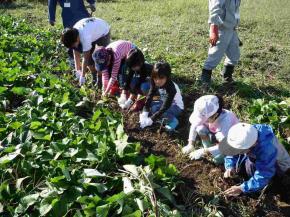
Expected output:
{"points": [[103, 211], [16, 125], [35, 125], [57, 179], [137, 213], [19, 182], [9, 157], [29, 200], [20, 90], [93, 173], [44, 208], [3, 89], [167, 194]]}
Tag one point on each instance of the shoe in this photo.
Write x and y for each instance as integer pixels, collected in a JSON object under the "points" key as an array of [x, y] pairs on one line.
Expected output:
{"points": [[138, 106], [206, 77], [172, 124], [227, 73]]}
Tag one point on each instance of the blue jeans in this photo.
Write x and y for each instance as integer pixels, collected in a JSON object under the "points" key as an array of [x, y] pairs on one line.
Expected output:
{"points": [[144, 88], [173, 112]]}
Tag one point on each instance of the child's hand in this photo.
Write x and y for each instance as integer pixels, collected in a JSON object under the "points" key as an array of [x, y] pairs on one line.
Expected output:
{"points": [[82, 80], [196, 155], [214, 35], [229, 173], [127, 104], [187, 149], [122, 100]]}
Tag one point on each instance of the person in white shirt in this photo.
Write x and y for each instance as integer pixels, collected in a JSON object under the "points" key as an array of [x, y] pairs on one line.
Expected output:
{"points": [[211, 122], [83, 38]]}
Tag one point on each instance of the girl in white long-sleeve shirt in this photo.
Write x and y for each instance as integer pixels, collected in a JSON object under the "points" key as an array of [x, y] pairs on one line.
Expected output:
{"points": [[211, 122]]}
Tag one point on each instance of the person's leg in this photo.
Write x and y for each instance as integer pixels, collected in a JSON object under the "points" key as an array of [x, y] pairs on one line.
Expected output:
{"points": [[215, 55], [171, 117], [232, 57], [203, 133]]}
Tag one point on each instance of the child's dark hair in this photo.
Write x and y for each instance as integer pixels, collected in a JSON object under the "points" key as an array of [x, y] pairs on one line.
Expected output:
{"points": [[161, 70], [135, 58], [69, 37], [221, 104]]}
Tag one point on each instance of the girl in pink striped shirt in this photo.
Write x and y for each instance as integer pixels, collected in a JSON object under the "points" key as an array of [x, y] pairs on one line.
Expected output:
{"points": [[111, 62]]}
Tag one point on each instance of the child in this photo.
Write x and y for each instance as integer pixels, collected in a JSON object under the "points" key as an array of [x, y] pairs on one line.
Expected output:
{"points": [[136, 82], [82, 38], [211, 122], [170, 104], [256, 149], [111, 61], [224, 19], [71, 13]]}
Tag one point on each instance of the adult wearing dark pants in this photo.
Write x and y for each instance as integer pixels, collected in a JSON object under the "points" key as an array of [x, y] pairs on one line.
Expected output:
{"points": [[83, 38], [72, 12]]}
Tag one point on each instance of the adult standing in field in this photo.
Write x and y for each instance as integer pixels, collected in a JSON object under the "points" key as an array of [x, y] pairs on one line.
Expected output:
{"points": [[72, 12], [83, 38], [224, 17]]}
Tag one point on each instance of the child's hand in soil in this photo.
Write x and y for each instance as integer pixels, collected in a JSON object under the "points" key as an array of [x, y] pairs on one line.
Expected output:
{"points": [[229, 173], [233, 191], [187, 149], [196, 155]]}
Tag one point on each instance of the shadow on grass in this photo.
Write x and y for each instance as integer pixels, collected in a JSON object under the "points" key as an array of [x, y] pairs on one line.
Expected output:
{"points": [[15, 6]]}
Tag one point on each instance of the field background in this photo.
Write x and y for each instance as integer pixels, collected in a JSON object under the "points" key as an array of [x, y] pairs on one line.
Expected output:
{"points": [[177, 31]]}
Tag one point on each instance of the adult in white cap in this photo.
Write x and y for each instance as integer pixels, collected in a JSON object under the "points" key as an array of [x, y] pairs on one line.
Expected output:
{"points": [[256, 149], [211, 122]]}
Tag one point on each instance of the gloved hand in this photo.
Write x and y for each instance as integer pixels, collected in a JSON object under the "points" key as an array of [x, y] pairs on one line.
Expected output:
{"points": [[214, 34], [78, 74], [196, 155], [143, 116], [219, 136], [92, 7], [122, 100], [229, 173], [146, 123], [187, 149], [127, 104], [82, 80]]}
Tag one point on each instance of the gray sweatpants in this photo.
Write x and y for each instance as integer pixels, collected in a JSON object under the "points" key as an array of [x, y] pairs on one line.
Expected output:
{"points": [[228, 45]]}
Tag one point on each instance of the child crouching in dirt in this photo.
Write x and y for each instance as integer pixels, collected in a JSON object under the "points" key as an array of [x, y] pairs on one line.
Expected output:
{"points": [[211, 122], [111, 62], [253, 150], [137, 82], [169, 106]]}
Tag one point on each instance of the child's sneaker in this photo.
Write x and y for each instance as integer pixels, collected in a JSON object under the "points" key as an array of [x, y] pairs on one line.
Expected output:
{"points": [[138, 106], [172, 124]]}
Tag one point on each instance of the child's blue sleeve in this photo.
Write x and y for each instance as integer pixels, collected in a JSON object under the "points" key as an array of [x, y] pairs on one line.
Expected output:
{"points": [[230, 162]]}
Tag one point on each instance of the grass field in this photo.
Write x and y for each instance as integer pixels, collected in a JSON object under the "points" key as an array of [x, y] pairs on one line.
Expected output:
{"points": [[177, 31]]}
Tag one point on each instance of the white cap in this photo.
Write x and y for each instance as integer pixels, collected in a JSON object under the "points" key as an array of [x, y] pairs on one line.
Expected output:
{"points": [[204, 107], [241, 137]]}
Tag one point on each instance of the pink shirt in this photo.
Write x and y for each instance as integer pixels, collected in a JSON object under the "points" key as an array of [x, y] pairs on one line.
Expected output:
{"points": [[121, 49], [220, 127]]}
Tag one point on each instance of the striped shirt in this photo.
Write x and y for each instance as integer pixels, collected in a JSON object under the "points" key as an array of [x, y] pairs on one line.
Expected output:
{"points": [[120, 49]]}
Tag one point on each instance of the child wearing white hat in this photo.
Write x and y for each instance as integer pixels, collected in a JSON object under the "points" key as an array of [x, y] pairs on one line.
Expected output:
{"points": [[211, 122], [256, 149]]}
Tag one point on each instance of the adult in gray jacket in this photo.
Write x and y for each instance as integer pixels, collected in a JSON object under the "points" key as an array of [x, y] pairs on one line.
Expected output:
{"points": [[224, 17]]}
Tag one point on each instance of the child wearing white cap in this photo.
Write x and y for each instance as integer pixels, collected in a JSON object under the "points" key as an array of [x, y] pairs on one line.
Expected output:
{"points": [[256, 149], [211, 122]]}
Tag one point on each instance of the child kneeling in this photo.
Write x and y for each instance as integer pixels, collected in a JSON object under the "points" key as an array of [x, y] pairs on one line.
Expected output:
{"points": [[136, 82], [211, 122], [169, 106]]}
